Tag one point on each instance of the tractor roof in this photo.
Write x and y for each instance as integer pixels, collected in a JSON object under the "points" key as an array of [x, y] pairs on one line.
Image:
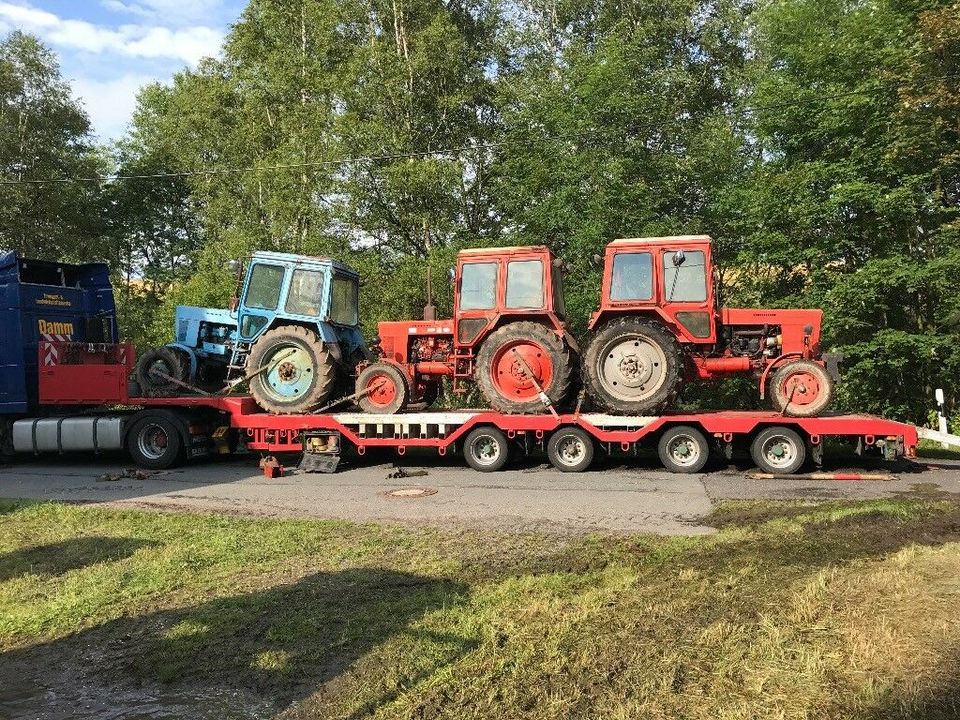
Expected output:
{"points": [[305, 260], [665, 240], [505, 250]]}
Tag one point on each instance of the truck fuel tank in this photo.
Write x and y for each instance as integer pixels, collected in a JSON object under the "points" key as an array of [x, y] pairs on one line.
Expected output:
{"points": [[68, 434]]}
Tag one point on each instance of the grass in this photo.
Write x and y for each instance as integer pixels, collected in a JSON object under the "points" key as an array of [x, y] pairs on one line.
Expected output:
{"points": [[788, 611]]}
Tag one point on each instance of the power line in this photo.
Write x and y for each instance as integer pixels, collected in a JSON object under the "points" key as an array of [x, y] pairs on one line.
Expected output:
{"points": [[416, 154]]}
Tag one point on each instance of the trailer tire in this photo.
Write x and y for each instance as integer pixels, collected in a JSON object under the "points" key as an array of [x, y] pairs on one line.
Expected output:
{"points": [[154, 442], [778, 450], [485, 449], [502, 379], [570, 449], [683, 449], [633, 366]]}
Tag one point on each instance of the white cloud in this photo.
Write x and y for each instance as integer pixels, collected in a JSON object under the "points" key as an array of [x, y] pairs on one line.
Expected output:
{"points": [[187, 44], [167, 11], [110, 103]]}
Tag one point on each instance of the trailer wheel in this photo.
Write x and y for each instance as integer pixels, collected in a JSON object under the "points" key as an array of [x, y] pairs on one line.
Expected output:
{"points": [[570, 449], [486, 449], [154, 442], [683, 449], [779, 450]]}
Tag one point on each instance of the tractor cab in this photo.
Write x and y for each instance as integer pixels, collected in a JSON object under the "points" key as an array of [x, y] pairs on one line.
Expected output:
{"points": [[670, 277], [493, 284]]}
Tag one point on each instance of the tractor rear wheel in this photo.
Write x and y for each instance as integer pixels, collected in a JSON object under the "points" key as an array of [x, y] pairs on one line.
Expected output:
{"points": [[506, 357], [154, 368], [801, 388], [384, 387], [297, 373], [633, 366]]}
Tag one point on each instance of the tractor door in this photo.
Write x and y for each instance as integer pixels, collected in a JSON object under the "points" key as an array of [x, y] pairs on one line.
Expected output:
{"points": [[475, 301], [260, 299], [687, 287]]}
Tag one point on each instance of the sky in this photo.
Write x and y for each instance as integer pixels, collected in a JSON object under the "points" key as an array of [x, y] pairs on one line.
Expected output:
{"points": [[108, 49]]}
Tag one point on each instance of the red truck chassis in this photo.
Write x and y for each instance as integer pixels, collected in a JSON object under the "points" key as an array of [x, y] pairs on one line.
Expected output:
{"points": [[159, 432]]}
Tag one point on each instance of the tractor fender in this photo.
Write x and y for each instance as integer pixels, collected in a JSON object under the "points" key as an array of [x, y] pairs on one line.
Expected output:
{"points": [[192, 354]]}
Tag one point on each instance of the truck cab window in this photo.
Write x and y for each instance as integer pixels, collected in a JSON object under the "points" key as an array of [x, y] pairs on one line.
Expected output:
{"points": [[686, 282], [478, 286], [632, 276], [263, 291], [525, 284], [344, 301]]}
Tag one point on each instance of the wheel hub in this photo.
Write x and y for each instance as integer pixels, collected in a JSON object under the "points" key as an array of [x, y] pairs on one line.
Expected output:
{"points": [[801, 388], [381, 390], [292, 376], [287, 371], [510, 372], [571, 450], [632, 368]]}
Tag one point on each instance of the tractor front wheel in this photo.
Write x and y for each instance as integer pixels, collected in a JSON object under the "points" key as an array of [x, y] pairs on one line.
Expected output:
{"points": [[801, 388], [633, 366], [294, 372], [157, 369], [517, 358], [382, 389]]}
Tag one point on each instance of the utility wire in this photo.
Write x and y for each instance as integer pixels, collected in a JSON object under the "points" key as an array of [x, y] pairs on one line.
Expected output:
{"points": [[416, 154]]}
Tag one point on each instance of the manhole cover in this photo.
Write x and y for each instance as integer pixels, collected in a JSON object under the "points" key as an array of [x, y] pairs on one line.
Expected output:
{"points": [[410, 492]]}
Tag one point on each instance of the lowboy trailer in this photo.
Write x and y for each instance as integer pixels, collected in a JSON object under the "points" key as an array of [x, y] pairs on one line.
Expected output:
{"points": [[89, 404]]}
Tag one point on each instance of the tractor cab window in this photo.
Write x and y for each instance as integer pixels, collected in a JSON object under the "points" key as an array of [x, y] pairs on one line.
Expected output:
{"points": [[632, 276], [684, 276], [263, 291], [306, 293], [525, 284], [556, 280], [344, 301], [478, 286]]}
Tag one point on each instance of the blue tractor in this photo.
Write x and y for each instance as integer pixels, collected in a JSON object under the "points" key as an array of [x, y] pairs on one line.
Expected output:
{"points": [[293, 335]]}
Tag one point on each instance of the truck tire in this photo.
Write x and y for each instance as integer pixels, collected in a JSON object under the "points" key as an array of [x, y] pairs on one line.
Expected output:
{"points": [[570, 449], [683, 449], [165, 360], [386, 389], [154, 442], [778, 450], [801, 388], [299, 373], [502, 378], [485, 449], [633, 366]]}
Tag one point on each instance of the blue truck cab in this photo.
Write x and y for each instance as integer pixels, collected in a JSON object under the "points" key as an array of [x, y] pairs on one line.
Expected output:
{"points": [[43, 300]]}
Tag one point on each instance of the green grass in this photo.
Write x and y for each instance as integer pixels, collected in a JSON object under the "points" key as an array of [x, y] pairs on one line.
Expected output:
{"points": [[788, 611]]}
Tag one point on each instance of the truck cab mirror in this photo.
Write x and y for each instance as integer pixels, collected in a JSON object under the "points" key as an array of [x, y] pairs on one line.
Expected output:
{"points": [[679, 258]]}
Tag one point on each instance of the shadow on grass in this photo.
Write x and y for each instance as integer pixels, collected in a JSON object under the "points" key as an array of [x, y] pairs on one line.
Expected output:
{"points": [[61, 557], [239, 656], [941, 702]]}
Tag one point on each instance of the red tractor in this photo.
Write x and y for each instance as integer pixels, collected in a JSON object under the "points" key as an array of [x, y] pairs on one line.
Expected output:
{"points": [[659, 324], [508, 335]]}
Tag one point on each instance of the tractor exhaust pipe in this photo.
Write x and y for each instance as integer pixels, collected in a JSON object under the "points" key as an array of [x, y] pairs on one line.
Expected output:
{"points": [[429, 310]]}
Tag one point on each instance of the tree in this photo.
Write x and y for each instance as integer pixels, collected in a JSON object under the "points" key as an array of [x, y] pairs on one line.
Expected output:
{"points": [[44, 135]]}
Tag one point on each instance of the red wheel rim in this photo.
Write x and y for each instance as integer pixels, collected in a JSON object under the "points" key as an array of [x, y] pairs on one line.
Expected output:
{"points": [[510, 377], [382, 390], [800, 388]]}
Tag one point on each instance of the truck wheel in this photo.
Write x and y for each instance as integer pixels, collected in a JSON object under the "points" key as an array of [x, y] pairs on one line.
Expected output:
{"points": [[683, 449], [386, 388], [298, 372], [159, 360], [570, 449], [801, 388], [502, 377], [486, 449], [778, 450], [154, 442], [633, 367]]}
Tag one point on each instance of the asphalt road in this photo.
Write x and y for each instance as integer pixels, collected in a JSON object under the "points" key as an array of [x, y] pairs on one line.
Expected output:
{"points": [[618, 497]]}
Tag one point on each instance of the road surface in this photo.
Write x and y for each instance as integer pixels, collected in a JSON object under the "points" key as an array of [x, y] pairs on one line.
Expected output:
{"points": [[638, 497]]}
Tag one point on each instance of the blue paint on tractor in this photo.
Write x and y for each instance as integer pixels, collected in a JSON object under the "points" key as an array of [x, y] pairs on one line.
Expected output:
{"points": [[279, 289], [40, 300]]}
